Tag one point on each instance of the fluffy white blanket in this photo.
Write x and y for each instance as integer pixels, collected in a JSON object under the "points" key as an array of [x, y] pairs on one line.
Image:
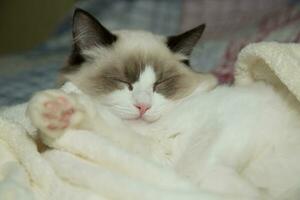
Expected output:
{"points": [[84, 165], [275, 63]]}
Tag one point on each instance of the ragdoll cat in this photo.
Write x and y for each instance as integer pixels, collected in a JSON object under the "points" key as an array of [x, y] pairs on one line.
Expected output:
{"points": [[138, 90]]}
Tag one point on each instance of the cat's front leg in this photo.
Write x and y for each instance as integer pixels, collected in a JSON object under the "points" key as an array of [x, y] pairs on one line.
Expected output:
{"points": [[53, 112]]}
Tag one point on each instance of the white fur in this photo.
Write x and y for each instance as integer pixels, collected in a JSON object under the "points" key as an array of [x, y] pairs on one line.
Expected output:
{"points": [[240, 141]]}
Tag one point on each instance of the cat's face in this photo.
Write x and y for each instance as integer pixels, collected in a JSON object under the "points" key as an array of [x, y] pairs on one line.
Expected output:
{"points": [[136, 74]]}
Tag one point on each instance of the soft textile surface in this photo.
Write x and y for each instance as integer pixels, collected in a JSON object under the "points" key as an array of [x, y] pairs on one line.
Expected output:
{"points": [[275, 63], [84, 165]]}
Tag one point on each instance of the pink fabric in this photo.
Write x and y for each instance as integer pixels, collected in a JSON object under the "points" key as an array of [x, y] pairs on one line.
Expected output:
{"points": [[226, 17], [240, 22], [267, 26]]}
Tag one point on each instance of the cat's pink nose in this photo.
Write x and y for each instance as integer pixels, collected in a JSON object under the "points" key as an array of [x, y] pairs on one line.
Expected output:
{"points": [[142, 108]]}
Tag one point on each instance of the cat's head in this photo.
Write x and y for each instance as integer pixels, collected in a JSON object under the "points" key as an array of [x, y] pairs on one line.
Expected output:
{"points": [[136, 74]]}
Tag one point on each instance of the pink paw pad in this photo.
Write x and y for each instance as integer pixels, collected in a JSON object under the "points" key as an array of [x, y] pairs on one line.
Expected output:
{"points": [[58, 113]]}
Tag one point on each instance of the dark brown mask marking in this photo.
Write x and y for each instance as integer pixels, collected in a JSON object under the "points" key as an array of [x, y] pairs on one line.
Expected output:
{"points": [[117, 75]]}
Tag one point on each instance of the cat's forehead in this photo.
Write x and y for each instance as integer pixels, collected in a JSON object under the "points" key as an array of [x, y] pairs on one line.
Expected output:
{"points": [[143, 42], [146, 78]]}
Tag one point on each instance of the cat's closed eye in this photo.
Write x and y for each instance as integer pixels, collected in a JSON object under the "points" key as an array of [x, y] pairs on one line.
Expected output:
{"points": [[163, 81], [157, 83], [130, 87]]}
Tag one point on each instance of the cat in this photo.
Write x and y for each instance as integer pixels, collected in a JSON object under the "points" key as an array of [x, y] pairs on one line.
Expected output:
{"points": [[138, 90]]}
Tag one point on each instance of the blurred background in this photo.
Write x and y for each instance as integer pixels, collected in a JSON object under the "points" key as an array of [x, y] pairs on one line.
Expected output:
{"points": [[35, 35]]}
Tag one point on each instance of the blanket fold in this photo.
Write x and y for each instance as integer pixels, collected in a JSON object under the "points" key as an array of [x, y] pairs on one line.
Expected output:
{"points": [[84, 165], [277, 64]]}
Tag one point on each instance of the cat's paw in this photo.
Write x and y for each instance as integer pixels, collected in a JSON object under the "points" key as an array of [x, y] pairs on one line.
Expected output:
{"points": [[54, 111]]}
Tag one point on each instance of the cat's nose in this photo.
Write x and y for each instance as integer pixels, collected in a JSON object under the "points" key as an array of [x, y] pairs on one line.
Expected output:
{"points": [[142, 108]]}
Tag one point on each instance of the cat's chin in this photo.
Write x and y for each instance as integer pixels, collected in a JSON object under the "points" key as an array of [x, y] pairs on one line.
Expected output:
{"points": [[150, 119], [145, 118]]}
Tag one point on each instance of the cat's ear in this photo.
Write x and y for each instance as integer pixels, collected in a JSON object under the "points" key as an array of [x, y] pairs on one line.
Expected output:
{"points": [[185, 42], [88, 32]]}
